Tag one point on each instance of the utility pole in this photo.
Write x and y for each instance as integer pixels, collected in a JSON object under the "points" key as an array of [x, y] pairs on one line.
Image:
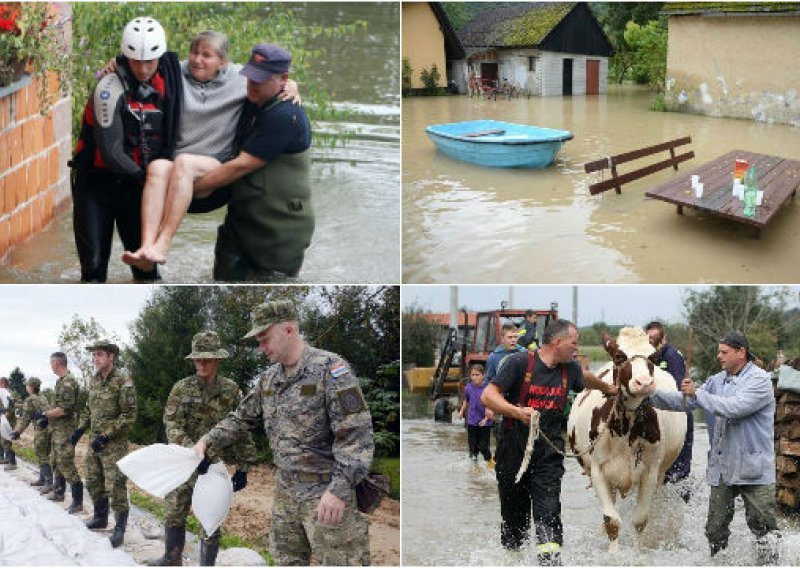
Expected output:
{"points": [[454, 307], [511, 297], [575, 305]]}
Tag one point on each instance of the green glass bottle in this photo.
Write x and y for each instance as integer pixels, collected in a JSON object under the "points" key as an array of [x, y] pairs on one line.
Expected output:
{"points": [[750, 192]]}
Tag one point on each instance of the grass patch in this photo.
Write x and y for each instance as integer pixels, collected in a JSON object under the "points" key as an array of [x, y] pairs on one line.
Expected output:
{"points": [[155, 507], [26, 453], [390, 467]]}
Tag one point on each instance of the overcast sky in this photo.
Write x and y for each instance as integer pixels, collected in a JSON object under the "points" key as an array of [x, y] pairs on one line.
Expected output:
{"points": [[633, 305], [32, 316]]}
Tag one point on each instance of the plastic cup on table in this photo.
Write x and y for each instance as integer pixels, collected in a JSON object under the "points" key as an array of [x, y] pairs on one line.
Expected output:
{"points": [[698, 190]]}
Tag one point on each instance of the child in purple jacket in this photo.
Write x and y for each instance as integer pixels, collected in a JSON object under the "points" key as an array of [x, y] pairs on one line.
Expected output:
{"points": [[479, 419]]}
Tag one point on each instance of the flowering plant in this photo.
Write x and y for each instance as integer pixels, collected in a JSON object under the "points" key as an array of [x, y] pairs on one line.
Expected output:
{"points": [[31, 39]]}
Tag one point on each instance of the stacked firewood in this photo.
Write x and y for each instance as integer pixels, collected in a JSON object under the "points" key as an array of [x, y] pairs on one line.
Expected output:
{"points": [[787, 447]]}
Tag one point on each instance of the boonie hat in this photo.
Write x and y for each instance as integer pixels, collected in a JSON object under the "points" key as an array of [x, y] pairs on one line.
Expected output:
{"points": [[34, 382], [266, 60], [205, 345], [105, 345], [268, 313], [738, 340]]}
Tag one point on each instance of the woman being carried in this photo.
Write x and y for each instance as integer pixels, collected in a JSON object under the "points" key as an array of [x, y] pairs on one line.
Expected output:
{"points": [[213, 95]]}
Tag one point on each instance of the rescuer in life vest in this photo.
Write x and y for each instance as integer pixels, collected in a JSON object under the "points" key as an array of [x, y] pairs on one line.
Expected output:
{"points": [[130, 120]]}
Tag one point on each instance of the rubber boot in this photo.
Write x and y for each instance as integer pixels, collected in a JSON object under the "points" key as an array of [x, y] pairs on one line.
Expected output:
{"points": [[48, 480], [12, 461], [3, 457], [39, 482], [120, 522], [77, 497], [174, 540], [59, 487], [208, 551], [100, 518]]}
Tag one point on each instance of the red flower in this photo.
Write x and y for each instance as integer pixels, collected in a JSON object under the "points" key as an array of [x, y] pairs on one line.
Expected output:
{"points": [[8, 20]]}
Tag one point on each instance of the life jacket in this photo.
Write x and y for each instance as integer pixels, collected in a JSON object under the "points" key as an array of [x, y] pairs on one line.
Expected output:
{"points": [[527, 396], [143, 122]]}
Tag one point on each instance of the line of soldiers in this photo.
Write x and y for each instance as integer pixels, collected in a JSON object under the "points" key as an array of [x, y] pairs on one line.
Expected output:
{"points": [[309, 401]]}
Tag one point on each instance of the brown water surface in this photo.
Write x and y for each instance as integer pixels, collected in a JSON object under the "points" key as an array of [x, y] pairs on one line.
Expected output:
{"points": [[470, 224]]}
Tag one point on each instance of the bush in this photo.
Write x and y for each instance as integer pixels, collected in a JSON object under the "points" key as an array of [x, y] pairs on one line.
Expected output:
{"points": [[408, 73], [430, 78]]}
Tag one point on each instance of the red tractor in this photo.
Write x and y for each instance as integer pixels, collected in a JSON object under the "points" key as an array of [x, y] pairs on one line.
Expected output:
{"points": [[470, 345]]}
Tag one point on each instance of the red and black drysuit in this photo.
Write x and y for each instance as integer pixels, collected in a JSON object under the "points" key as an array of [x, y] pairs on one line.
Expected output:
{"points": [[126, 125], [539, 490]]}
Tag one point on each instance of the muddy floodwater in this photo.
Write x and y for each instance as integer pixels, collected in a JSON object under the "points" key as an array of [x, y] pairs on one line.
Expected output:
{"points": [[355, 186], [472, 224], [451, 513]]}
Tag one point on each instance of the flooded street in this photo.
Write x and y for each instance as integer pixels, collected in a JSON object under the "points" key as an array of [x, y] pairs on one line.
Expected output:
{"points": [[355, 186], [451, 513], [497, 218]]}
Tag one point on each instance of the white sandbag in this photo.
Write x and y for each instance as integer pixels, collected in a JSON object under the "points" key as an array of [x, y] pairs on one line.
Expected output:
{"points": [[212, 497], [788, 379], [240, 557], [159, 468], [5, 428]]}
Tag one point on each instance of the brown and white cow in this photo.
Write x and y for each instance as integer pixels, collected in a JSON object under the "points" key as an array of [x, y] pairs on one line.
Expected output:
{"points": [[620, 442]]}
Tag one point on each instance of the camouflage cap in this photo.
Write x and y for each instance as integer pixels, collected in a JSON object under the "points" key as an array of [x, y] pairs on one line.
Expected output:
{"points": [[205, 345], [105, 345], [268, 313], [34, 382]]}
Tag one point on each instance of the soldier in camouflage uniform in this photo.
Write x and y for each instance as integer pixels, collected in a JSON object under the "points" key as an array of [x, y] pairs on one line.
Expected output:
{"points": [[62, 423], [109, 413], [7, 455], [33, 409], [194, 405], [320, 432]]}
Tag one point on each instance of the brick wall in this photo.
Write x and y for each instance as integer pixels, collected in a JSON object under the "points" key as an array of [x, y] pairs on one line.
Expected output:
{"points": [[34, 149]]}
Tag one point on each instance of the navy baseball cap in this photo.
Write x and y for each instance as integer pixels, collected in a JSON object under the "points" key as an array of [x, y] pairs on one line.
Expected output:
{"points": [[266, 60], [738, 340]]}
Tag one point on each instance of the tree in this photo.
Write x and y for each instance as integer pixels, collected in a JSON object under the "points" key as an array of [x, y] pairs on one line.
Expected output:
{"points": [[16, 382], [420, 337], [74, 338], [713, 312], [649, 46], [614, 17]]}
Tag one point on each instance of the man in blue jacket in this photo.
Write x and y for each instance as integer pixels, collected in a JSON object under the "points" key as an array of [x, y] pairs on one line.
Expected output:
{"points": [[741, 461]]}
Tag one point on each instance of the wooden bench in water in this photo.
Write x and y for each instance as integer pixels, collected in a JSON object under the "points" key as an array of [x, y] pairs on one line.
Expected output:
{"points": [[618, 179], [495, 132], [778, 178]]}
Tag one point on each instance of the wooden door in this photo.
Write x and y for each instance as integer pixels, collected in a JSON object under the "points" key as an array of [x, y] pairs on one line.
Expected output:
{"points": [[592, 76]]}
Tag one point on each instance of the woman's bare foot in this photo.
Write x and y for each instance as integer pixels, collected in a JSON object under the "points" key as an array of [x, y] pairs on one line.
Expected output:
{"points": [[155, 254], [138, 260]]}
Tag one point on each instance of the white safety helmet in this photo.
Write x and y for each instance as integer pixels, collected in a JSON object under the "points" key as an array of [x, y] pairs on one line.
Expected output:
{"points": [[143, 39]]}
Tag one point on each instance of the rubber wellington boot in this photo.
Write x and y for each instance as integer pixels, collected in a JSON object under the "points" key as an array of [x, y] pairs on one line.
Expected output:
{"points": [[59, 487], [100, 518], [3, 457], [120, 522], [48, 480], [12, 461], [39, 482], [208, 551], [77, 497], [174, 540]]}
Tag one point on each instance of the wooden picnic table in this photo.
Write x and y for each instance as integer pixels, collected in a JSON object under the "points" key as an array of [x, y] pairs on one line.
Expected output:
{"points": [[778, 178]]}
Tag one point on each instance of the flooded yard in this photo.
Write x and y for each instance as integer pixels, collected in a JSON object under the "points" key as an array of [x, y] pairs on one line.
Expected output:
{"points": [[472, 224], [451, 513]]}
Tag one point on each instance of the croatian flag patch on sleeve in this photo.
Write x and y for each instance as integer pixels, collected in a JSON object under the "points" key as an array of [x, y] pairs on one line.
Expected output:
{"points": [[338, 370]]}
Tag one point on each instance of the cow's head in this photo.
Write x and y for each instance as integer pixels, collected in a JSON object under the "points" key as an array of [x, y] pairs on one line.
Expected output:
{"points": [[633, 369]]}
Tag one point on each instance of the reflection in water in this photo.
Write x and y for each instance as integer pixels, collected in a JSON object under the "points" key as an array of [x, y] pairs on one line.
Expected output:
{"points": [[499, 218], [451, 511], [355, 187]]}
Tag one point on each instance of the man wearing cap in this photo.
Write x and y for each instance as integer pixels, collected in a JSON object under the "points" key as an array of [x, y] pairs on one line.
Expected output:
{"points": [[320, 433], [109, 413], [194, 406], [269, 222], [62, 423], [130, 120], [33, 411], [740, 404]]}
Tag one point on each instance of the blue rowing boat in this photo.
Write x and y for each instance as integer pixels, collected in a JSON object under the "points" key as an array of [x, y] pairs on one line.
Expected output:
{"points": [[498, 144]]}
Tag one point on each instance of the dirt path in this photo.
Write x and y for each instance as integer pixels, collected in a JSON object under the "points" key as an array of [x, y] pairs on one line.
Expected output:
{"points": [[249, 517]]}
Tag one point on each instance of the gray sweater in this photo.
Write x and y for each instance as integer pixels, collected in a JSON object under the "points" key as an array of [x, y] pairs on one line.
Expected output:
{"points": [[210, 112]]}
